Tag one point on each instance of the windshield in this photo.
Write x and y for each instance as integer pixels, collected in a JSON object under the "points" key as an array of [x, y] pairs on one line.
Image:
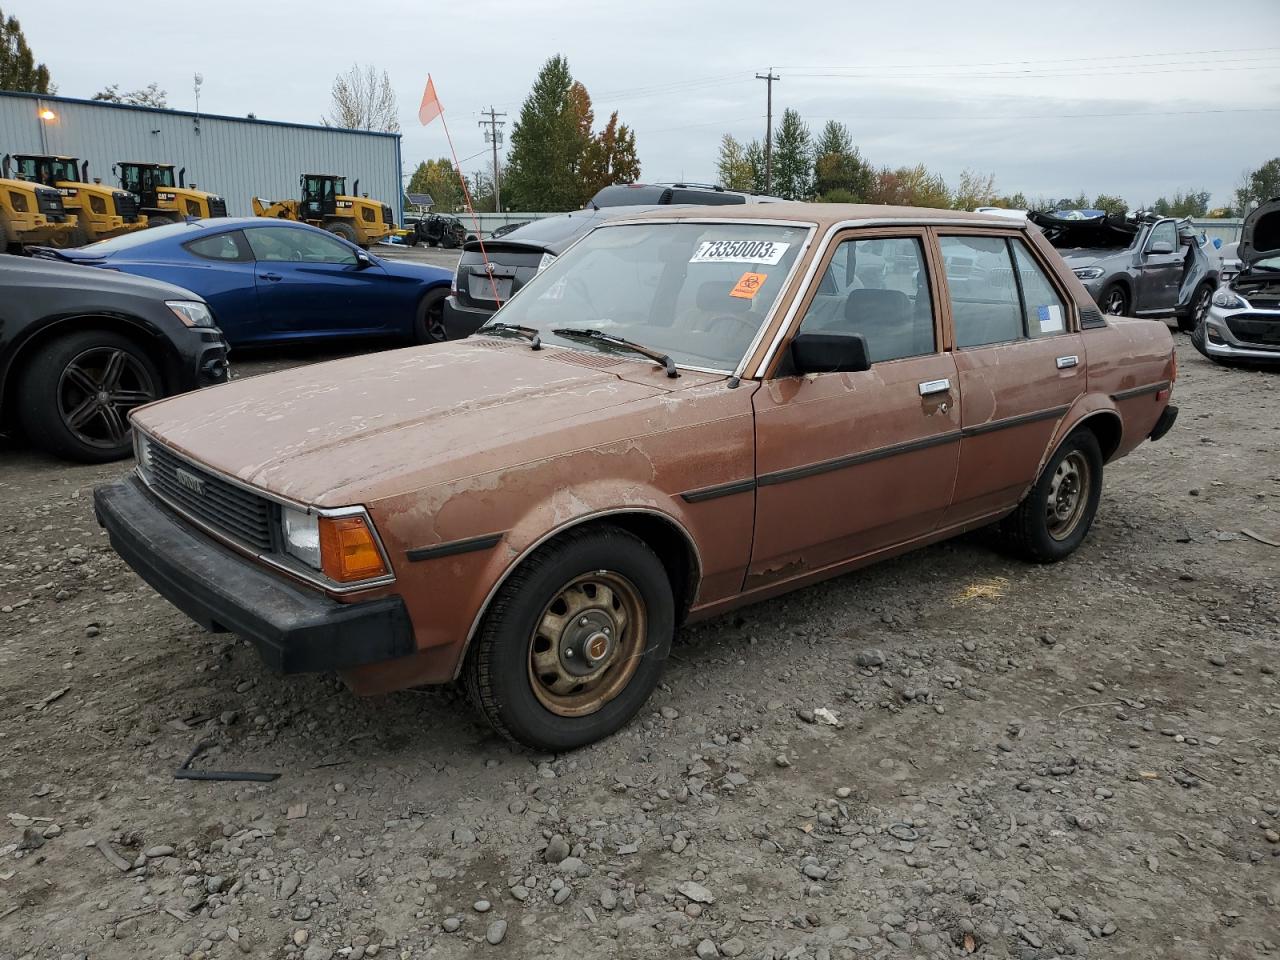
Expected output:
{"points": [[65, 170], [696, 291]]}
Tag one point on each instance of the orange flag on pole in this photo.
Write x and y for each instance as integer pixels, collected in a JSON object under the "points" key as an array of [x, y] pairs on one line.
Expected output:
{"points": [[431, 107]]}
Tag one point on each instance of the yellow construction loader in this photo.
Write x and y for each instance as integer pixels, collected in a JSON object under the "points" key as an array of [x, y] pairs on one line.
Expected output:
{"points": [[326, 203], [100, 211], [32, 214], [164, 199]]}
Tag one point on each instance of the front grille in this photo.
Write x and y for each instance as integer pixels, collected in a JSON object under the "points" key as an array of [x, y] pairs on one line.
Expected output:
{"points": [[225, 507], [217, 207], [386, 216], [49, 202], [126, 207], [1255, 328]]}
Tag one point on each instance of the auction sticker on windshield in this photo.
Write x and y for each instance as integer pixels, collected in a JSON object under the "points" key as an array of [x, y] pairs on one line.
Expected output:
{"points": [[748, 286], [739, 251]]}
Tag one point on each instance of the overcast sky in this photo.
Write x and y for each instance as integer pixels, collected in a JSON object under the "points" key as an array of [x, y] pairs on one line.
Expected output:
{"points": [[1129, 98]]}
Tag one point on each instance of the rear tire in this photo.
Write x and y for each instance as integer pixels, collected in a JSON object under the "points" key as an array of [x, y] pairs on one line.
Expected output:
{"points": [[61, 405], [160, 219], [1054, 518], [343, 230], [428, 326], [1197, 309], [1115, 300], [594, 605]]}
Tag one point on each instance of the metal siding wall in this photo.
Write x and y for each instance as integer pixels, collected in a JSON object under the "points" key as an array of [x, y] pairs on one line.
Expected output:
{"points": [[238, 159]]}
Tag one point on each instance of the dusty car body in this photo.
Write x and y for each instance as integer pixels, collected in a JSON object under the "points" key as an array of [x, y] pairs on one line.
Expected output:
{"points": [[1243, 320], [687, 411], [1144, 266]]}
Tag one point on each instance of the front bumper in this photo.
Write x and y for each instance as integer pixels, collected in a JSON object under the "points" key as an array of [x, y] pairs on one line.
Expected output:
{"points": [[460, 321], [1221, 341], [295, 629]]}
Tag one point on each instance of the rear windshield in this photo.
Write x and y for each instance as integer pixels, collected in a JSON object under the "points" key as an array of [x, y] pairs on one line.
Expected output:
{"points": [[128, 241], [554, 233], [696, 291]]}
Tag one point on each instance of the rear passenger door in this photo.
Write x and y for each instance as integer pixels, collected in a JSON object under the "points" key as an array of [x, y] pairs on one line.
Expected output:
{"points": [[851, 463], [1019, 361]]}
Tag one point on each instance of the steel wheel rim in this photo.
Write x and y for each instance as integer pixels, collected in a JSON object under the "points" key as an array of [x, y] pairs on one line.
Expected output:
{"points": [[1115, 303], [586, 645], [96, 391], [1068, 495], [435, 323]]}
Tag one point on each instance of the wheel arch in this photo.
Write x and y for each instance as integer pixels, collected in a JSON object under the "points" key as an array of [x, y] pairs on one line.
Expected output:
{"points": [[669, 539], [1106, 426]]}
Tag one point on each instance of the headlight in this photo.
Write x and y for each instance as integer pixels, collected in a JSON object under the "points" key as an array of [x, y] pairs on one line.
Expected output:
{"points": [[302, 536], [142, 453], [1228, 300], [1088, 273], [191, 312]]}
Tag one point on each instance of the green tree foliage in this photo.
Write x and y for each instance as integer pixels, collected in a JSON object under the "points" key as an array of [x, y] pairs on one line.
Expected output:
{"points": [[1258, 186], [1012, 201], [546, 144], [975, 190], [149, 96], [610, 158], [792, 158], [911, 187], [18, 68], [753, 154], [734, 170], [438, 178], [1114, 206], [1189, 204], [840, 174]]}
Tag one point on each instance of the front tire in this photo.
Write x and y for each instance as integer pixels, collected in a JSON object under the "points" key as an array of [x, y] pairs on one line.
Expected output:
{"points": [[159, 220], [574, 642], [74, 398], [340, 229], [1054, 518], [1115, 300], [1197, 309], [428, 327]]}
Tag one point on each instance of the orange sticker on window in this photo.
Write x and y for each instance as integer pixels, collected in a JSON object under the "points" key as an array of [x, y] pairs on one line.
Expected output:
{"points": [[748, 285]]}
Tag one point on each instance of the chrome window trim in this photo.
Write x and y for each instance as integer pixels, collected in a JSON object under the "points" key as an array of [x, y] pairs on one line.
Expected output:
{"points": [[863, 222], [282, 562]]}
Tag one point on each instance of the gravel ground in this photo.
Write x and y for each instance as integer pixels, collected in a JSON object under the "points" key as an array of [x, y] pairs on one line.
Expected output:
{"points": [[950, 754]]}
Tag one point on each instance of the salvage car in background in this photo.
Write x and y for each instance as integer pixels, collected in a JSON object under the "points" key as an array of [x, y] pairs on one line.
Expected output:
{"points": [[666, 194], [273, 281], [1243, 321], [1143, 266], [686, 412], [438, 230], [80, 349]]}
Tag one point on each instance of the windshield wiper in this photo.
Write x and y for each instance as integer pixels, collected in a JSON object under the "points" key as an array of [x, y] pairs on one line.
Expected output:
{"points": [[528, 333], [599, 336]]}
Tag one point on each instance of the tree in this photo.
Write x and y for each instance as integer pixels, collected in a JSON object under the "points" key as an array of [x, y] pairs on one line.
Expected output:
{"points": [[734, 170], [1183, 204], [149, 96], [792, 158], [911, 187], [840, 174], [610, 157], [364, 101], [1257, 186], [1113, 206], [440, 179], [753, 155], [18, 68], [975, 190], [547, 144], [1012, 201]]}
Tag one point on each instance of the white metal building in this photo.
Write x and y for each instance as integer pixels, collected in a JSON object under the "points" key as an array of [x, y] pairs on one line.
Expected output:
{"points": [[236, 157]]}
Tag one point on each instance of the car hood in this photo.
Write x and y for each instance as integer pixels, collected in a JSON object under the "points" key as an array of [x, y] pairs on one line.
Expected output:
{"points": [[415, 271], [363, 428], [1085, 256], [1260, 237]]}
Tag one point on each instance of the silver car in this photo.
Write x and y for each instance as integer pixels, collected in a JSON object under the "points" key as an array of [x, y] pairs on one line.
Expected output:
{"points": [[1141, 266], [1243, 321]]}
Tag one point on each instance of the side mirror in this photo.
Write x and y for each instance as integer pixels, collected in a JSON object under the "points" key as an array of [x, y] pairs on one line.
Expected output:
{"points": [[830, 353], [1160, 246], [363, 260]]}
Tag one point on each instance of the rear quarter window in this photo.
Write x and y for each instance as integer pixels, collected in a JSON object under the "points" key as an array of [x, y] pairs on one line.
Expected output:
{"points": [[229, 246]]}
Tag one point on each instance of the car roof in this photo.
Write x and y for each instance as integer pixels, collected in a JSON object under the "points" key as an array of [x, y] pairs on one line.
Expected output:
{"points": [[830, 214]]}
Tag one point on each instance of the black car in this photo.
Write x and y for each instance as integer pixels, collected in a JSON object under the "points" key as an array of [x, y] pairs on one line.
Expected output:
{"points": [[80, 348], [514, 258], [664, 194], [438, 230]]}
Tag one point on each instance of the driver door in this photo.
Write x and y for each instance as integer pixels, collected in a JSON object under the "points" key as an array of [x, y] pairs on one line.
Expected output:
{"points": [[312, 284], [849, 464], [1159, 274]]}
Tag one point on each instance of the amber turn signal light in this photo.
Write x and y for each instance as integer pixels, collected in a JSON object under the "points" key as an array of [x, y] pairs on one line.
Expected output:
{"points": [[348, 551]]}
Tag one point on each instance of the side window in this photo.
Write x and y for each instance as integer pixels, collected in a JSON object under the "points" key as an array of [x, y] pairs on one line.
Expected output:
{"points": [[1045, 312], [303, 246], [1164, 232], [221, 246], [880, 289], [984, 298]]}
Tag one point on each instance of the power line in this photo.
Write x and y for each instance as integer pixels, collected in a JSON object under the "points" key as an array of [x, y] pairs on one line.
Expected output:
{"points": [[769, 80], [493, 136]]}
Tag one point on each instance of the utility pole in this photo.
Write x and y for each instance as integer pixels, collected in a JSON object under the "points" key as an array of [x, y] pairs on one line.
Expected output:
{"points": [[493, 135], [769, 79]]}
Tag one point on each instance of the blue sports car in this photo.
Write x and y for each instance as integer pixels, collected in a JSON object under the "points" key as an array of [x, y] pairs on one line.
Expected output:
{"points": [[273, 280]]}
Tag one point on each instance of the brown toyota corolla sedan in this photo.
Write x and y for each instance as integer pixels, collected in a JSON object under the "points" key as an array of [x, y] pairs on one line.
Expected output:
{"points": [[683, 413]]}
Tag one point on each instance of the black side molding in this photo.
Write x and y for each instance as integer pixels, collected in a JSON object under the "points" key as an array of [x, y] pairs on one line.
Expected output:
{"points": [[839, 463], [720, 490], [993, 425], [1139, 391], [455, 546]]}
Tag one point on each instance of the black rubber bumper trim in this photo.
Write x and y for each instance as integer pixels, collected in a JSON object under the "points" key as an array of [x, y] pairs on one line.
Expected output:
{"points": [[296, 629], [1140, 391], [461, 321], [1007, 422], [1165, 423], [720, 490], [840, 463], [455, 546]]}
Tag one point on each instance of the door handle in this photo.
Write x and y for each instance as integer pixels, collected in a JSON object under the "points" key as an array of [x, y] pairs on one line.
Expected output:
{"points": [[934, 386], [270, 276], [1065, 362]]}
